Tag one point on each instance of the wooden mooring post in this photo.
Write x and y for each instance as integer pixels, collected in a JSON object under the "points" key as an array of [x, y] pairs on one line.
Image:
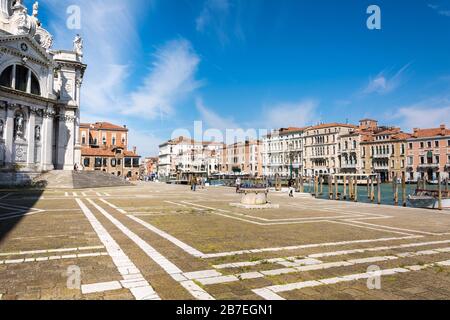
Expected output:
{"points": [[395, 186], [316, 186], [302, 190], [372, 189], [350, 187], [321, 180], [368, 187], [336, 187], [344, 178], [330, 187], [439, 191], [404, 189], [379, 188], [356, 189]]}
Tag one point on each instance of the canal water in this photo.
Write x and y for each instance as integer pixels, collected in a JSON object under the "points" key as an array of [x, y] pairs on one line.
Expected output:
{"points": [[387, 193]]}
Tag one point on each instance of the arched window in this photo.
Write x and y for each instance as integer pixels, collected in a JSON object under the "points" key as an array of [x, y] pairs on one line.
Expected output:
{"points": [[6, 77], [35, 88], [20, 78]]}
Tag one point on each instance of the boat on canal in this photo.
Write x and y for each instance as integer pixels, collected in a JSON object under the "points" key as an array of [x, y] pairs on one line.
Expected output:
{"points": [[429, 199]]}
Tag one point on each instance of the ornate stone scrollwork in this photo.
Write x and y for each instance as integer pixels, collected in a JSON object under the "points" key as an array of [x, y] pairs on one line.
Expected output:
{"points": [[23, 24], [44, 38], [48, 113]]}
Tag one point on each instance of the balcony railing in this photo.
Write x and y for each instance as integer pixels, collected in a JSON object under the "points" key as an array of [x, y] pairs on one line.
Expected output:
{"points": [[349, 165], [381, 166], [381, 156], [428, 165]]}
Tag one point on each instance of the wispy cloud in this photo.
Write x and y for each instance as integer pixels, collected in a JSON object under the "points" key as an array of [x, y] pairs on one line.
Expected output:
{"points": [[386, 82], [424, 114], [109, 29], [212, 119], [291, 114], [221, 19], [172, 77], [439, 10]]}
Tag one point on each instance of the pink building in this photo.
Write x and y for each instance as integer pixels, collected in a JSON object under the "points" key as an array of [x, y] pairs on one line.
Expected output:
{"points": [[428, 152]]}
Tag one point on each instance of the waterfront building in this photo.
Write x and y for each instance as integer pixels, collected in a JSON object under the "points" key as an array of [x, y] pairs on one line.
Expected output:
{"points": [[282, 152], [150, 166], [183, 157], [39, 94], [428, 153], [322, 148], [242, 158], [384, 153], [105, 148]]}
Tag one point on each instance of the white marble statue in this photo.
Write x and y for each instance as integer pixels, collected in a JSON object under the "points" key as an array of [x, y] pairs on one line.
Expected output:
{"points": [[22, 23], [78, 45], [37, 133], [1, 128], [35, 9], [19, 125]]}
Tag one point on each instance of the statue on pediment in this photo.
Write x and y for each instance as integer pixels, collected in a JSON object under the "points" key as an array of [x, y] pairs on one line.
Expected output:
{"points": [[78, 45], [35, 9]]}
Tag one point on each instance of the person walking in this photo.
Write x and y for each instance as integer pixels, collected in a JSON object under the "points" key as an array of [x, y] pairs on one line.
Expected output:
{"points": [[238, 185], [193, 183], [291, 188]]}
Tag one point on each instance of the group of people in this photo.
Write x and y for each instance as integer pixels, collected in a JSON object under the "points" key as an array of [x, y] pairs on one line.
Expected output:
{"points": [[197, 181]]}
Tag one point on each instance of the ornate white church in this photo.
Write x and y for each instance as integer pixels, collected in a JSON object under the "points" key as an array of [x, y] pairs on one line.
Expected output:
{"points": [[39, 94]]}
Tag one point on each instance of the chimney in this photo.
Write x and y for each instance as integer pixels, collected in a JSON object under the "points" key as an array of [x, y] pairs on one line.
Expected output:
{"points": [[134, 150], [443, 129]]}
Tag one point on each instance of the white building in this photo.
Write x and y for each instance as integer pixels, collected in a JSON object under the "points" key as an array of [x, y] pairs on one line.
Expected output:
{"points": [[39, 94], [323, 148], [283, 152], [186, 156]]}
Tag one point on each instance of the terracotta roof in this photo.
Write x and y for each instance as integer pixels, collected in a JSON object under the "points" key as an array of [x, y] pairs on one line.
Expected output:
{"points": [[291, 130], [103, 126], [367, 119], [401, 136], [100, 152], [389, 131], [330, 125], [130, 154], [431, 132]]}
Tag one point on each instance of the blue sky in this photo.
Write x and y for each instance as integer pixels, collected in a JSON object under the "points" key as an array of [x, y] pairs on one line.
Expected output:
{"points": [[159, 65]]}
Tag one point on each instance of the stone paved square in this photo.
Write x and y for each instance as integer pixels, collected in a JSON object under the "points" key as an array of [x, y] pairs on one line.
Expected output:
{"points": [[159, 241]]}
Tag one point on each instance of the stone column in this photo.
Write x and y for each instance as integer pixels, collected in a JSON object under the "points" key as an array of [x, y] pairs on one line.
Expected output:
{"points": [[9, 135], [47, 140], [31, 137], [66, 140], [77, 147]]}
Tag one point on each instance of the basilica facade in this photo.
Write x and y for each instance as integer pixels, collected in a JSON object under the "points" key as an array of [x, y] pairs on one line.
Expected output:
{"points": [[39, 94]]}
